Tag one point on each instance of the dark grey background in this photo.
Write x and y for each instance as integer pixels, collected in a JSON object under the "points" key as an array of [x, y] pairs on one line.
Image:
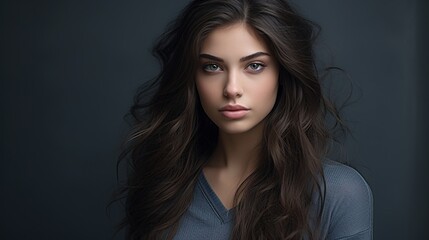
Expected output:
{"points": [[69, 70]]}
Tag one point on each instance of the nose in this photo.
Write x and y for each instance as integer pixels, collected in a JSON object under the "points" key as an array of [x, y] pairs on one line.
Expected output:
{"points": [[233, 87]]}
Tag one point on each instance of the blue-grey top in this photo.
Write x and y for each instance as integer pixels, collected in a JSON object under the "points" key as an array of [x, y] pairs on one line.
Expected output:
{"points": [[347, 213]]}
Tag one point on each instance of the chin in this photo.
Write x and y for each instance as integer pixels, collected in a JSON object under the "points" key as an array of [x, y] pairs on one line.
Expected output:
{"points": [[237, 128], [232, 131]]}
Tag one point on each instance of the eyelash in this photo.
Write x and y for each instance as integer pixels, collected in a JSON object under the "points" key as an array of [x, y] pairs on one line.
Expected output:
{"points": [[206, 66], [259, 65]]}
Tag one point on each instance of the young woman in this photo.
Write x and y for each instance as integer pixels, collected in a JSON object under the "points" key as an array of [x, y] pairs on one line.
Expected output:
{"points": [[232, 142]]}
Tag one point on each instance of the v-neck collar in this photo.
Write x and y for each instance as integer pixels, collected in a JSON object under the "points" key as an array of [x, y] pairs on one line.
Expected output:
{"points": [[220, 210]]}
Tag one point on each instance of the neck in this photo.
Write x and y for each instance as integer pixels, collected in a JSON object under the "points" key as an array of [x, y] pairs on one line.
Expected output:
{"points": [[238, 154]]}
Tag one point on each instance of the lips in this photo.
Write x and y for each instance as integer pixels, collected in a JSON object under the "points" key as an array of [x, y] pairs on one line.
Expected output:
{"points": [[234, 111]]}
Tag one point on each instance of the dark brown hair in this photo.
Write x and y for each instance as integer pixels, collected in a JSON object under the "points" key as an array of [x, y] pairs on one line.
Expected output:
{"points": [[172, 136]]}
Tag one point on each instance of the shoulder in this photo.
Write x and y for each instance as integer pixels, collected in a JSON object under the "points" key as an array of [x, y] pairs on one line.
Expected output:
{"points": [[344, 181], [347, 212]]}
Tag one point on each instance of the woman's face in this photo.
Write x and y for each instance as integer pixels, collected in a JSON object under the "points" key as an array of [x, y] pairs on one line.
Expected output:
{"points": [[237, 78]]}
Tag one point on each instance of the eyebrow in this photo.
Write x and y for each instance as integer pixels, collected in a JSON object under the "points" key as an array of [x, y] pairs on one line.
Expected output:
{"points": [[243, 59]]}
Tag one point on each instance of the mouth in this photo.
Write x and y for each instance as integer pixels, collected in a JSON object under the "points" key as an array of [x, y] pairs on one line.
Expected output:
{"points": [[234, 111]]}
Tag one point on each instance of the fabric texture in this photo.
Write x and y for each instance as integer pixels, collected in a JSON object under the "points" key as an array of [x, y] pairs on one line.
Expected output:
{"points": [[347, 213]]}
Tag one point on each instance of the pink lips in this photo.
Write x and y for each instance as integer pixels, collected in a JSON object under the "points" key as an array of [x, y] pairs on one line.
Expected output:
{"points": [[234, 111]]}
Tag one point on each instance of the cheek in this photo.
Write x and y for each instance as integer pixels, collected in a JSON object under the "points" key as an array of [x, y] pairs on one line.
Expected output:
{"points": [[269, 97], [272, 88], [266, 92], [268, 89], [206, 92]]}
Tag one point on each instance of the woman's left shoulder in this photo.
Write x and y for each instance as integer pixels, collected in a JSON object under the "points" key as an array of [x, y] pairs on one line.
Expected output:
{"points": [[345, 182], [348, 202]]}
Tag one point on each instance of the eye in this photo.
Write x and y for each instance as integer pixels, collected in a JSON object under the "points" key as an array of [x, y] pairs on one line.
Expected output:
{"points": [[212, 67], [256, 67]]}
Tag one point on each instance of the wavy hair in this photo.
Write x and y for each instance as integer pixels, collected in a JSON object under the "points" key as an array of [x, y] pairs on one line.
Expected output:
{"points": [[172, 136]]}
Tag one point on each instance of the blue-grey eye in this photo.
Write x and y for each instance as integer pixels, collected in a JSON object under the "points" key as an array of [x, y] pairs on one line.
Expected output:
{"points": [[256, 67], [211, 67]]}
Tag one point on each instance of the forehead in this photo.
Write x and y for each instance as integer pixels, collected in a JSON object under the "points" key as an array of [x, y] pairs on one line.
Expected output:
{"points": [[236, 40]]}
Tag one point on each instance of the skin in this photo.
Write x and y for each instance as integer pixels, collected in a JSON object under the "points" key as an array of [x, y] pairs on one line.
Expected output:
{"points": [[236, 68]]}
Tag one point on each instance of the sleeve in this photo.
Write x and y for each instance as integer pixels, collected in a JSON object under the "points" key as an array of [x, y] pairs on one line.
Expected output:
{"points": [[349, 204]]}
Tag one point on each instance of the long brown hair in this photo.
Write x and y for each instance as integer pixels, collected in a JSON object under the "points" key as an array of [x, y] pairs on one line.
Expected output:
{"points": [[172, 136]]}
